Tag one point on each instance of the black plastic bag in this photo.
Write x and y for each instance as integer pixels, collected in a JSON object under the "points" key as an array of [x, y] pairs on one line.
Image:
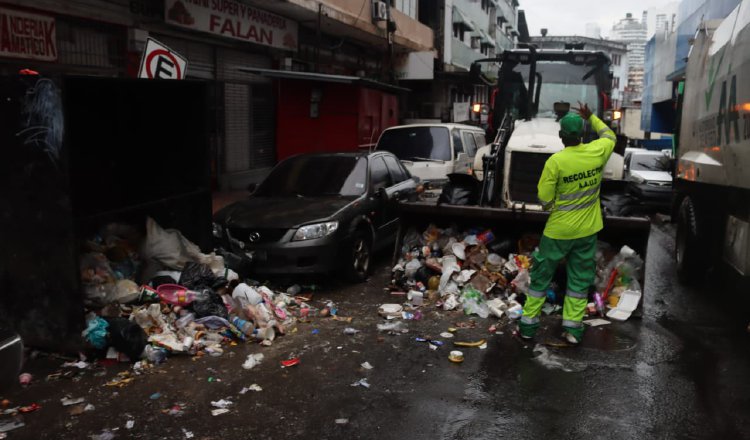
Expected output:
{"points": [[127, 337], [213, 305], [460, 190], [198, 276]]}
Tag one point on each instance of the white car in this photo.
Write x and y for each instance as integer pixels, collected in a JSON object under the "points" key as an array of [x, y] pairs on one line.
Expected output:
{"points": [[433, 151], [649, 177]]}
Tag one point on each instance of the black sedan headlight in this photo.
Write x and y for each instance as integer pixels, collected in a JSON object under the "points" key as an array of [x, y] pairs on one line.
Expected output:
{"points": [[317, 230]]}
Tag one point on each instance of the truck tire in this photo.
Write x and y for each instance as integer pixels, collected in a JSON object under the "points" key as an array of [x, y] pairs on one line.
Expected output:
{"points": [[691, 251]]}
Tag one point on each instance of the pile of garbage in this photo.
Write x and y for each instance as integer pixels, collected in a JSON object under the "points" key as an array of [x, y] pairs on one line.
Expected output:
{"points": [[159, 295], [475, 272]]}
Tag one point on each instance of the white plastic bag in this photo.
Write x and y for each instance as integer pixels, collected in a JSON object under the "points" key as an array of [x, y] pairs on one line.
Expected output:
{"points": [[170, 248]]}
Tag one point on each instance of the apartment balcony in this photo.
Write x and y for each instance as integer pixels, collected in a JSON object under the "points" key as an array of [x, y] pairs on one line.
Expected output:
{"points": [[462, 56]]}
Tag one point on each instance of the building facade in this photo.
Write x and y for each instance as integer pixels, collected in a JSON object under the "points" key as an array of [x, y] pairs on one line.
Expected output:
{"points": [[107, 37], [466, 30], [615, 50], [632, 32]]}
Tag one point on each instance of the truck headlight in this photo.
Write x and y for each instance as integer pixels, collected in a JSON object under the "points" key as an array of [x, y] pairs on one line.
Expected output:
{"points": [[218, 230], [318, 230]]}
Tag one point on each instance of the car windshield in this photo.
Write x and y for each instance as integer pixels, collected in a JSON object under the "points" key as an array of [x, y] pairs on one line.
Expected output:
{"points": [[316, 176], [649, 162], [417, 143]]}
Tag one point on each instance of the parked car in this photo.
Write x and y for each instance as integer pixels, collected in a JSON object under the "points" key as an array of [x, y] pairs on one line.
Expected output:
{"points": [[648, 176], [316, 213], [433, 151]]}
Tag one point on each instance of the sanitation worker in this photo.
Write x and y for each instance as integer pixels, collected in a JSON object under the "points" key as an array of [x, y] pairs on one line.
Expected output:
{"points": [[569, 187]]}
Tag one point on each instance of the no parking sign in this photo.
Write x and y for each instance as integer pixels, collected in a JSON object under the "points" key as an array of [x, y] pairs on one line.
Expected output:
{"points": [[161, 62]]}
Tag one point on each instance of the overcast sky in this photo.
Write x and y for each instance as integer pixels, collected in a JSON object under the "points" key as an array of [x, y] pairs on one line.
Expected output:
{"points": [[569, 17]]}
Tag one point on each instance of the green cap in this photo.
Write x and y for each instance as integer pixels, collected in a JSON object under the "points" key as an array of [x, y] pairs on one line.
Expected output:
{"points": [[571, 125]]}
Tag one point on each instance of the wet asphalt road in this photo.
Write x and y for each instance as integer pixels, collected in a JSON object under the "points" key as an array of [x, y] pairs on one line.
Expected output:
{"points": [[680, 371]]}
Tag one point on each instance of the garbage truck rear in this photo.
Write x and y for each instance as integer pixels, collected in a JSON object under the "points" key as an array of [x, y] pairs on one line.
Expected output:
{"points": [[712, 184], [534, 89]]}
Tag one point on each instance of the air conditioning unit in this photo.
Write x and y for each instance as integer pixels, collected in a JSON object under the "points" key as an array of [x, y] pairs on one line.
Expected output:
{"points": [[379, 10]]}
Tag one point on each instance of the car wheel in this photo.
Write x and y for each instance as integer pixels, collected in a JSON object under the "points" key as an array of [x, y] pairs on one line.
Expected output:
{"points": [[360, 252], [689, 250]]}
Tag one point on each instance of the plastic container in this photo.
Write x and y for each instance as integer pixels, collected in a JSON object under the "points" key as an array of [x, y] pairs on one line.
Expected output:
{"points": [[178, 295], [246, 327]]}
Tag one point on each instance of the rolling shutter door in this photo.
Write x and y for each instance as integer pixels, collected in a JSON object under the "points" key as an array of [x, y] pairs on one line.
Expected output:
{"points": [[249, 119], [200, 56]]}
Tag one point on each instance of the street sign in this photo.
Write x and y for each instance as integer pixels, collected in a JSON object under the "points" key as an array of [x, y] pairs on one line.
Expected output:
{"points": [[161, 62]]}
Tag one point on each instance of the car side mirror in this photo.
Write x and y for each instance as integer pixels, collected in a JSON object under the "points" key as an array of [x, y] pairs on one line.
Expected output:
{"points": [[382, 194], [252, 187]]}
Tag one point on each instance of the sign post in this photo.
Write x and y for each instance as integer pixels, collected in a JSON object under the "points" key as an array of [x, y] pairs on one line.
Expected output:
{"points": [[161, 62]]}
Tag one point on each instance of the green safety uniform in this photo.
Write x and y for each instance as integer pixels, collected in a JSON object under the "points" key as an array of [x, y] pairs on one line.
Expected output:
{"points": [[570, 183]]}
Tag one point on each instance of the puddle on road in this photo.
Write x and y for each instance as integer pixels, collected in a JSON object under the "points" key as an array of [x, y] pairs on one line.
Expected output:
{"points": [[551, 361], [606, 338]]}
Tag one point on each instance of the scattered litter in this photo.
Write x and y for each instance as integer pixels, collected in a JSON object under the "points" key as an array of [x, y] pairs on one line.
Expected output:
{"points": [[470, 343], [367, 366], [80, 364], [67, 401], [129, 424], [456, 356], [342, 421], [155, 396], [395, 327], [30, 408], [105, 435], [483, 346], [361, 383], [350, 331], [219, 411], [446, 335], [315, 331], [223, 403], [252, 360], [253, 387], [188, 434], [24, 379], [596, 322], [629, 300], [10, 425], [290, 362]]}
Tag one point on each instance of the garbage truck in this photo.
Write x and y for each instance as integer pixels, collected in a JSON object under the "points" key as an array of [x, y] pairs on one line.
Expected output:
{"points": [[712, 185], [534, 89]]}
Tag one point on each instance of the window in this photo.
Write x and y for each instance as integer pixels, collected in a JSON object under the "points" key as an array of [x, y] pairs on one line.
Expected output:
{"points": [[397, 171], [616, 59], [481, 140], [408, 7], [417, 143], [315, 176], [471, 145], [475, 41], [616, 82], [486, 5], [379, 177], [458, 145], [458, 31]]}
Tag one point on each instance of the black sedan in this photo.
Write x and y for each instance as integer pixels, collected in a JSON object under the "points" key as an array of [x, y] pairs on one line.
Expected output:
{"points": [[316, 214]]}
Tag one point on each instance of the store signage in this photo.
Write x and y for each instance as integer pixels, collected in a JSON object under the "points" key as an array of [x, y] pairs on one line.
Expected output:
{"points": [[161, 62], [24, 35], [460, 111], [232, 19]]}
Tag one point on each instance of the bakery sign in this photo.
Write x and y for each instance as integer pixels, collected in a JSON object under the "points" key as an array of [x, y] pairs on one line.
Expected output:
{"points": [[25, 35], [232, 19]]}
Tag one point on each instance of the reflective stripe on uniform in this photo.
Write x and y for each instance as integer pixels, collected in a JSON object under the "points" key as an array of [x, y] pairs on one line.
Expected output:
{"points": [[572, 324], [576, 295], [603, 134], [577, 207], [579, 194], [531, 321], [536, 294]]}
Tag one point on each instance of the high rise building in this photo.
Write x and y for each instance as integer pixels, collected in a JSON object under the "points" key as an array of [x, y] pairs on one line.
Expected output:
{"points": [[633, 32]]}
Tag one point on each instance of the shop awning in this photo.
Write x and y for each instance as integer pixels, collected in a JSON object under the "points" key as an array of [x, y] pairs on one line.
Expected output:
{"points": [[323, 77], [461, 18]]}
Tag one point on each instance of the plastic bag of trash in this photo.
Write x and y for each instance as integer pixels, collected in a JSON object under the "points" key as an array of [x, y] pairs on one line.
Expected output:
{"points": [[170, 248], [127, 337], [96, 331], [450, 302], [126, 291], [210, 305], [197, 276], [473, 302], [246, 295]]}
